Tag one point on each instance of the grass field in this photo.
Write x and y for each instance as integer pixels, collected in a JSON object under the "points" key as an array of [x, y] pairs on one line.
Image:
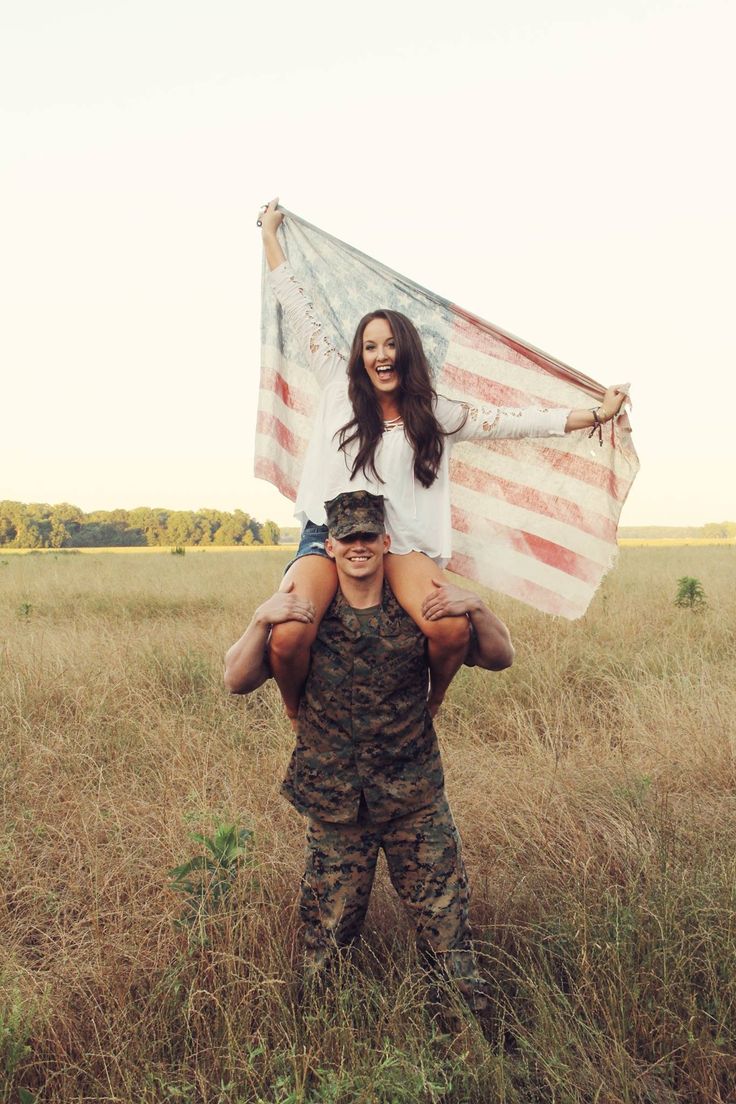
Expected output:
{"points": [[593, 784]]}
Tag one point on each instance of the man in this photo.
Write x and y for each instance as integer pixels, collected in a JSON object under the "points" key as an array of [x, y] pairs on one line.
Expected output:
{"points": [[366, 770]]}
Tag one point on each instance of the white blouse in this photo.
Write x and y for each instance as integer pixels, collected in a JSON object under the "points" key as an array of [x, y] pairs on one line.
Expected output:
{"points": [[417, 517]]}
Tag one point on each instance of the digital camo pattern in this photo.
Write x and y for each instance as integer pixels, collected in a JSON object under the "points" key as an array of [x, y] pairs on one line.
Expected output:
{"points": [[354, 512], [426, 868], [363, 721]]}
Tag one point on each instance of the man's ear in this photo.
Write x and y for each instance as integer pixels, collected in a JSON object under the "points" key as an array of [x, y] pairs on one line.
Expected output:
{"points": [[386, 542], [329, 548]]}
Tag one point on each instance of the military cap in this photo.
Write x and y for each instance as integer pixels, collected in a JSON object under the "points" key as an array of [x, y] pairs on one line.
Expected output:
{"points": [[354, 512]]}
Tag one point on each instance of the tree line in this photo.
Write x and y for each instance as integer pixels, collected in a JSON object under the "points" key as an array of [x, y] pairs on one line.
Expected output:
{"points": [[39, 525]]}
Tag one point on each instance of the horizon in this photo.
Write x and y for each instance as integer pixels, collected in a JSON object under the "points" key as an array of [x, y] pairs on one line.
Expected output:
{"points": [[293, 523]]}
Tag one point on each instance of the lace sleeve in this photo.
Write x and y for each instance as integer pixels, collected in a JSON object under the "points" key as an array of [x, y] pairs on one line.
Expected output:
{"points": [[467, 422], [323, 358]]}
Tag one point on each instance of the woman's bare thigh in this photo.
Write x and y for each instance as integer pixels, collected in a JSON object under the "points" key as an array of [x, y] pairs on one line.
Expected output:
{"points": [[411, 578], [315, 578]]}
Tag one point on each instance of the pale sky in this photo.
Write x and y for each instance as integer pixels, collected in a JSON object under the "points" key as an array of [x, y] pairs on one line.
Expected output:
{"points": [[564, 170]]}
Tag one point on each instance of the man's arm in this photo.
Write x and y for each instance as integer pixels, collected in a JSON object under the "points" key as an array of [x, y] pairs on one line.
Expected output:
{"points": [[490, 642], [246, 663]]}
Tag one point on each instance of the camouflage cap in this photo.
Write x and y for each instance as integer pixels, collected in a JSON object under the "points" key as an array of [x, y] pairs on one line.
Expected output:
{"points": [[354, 512]]}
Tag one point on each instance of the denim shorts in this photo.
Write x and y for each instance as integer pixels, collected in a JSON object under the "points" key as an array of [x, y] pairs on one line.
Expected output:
{"points": [[311, 542]]}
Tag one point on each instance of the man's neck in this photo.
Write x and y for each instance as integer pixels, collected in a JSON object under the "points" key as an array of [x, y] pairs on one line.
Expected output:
{"points": [[362, 593]]}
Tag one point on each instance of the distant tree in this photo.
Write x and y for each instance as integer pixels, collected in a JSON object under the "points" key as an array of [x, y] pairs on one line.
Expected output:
{"points": [[152, 523], [715, 530], [181, 528], [30, 534], [58, 537], [9, 518], [120, 518], [270, 532], [210, 522], [66, 521]]}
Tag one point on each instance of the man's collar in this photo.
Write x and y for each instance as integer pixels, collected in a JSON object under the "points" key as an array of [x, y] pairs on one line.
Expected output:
{"points": [[388, 616]]}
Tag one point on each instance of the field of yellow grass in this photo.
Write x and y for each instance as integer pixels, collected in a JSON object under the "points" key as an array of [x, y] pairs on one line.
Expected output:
{"points": [[594, 785]]}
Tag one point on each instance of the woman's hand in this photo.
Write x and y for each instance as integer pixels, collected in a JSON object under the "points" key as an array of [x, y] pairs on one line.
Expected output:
{"points": [[613, 400], [270, 218]]}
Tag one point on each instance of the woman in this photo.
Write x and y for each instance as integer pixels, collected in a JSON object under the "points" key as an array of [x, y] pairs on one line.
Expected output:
{"points": [[381, 427]]}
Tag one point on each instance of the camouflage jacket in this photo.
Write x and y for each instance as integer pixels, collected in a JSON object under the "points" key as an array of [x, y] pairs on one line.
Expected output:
{"points": [[363, 721]]}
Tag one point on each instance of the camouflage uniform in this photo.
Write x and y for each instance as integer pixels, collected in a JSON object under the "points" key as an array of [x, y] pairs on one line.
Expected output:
{"points": [[367, 773]]}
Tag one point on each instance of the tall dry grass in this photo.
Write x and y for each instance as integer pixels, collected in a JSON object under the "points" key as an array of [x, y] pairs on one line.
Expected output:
{"points": [[593, 784]]}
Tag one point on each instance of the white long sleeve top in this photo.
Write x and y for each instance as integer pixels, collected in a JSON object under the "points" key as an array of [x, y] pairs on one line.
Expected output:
{"points": [[417, 517]]}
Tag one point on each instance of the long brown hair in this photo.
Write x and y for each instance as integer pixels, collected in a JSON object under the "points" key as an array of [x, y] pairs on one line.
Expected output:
{"points": [[416, 400]]}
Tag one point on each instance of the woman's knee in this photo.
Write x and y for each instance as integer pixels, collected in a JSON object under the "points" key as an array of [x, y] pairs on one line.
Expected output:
{"points": [[448, 633], [291, 638]]}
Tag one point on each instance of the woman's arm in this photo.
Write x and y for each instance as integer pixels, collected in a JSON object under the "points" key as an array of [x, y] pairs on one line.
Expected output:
{"points": [[322, 357], [466, 422], [613, 400], [270, 220]]}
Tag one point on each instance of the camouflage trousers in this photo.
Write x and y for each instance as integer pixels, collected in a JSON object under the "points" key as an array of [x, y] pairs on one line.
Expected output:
{"points": [[425, 865]]}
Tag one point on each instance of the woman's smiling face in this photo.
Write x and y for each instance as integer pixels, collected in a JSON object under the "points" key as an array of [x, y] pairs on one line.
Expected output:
{"points": [[379, 356]]}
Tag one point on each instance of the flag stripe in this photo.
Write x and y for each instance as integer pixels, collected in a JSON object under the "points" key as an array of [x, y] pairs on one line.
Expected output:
{"points": [[272, 473], [473, 385], [530, 544], [526, 521], [541, 597], [271, 426], [512, 564], [574, 466], [482, 336], [290, 395], [518, 494]]}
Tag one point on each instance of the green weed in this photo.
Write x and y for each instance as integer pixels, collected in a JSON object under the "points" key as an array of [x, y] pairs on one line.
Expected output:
{"points": [[207, 879], [690, 593]]}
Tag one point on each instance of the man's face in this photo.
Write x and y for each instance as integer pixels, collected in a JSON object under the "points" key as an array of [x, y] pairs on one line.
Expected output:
{"points": [[360, 555]]}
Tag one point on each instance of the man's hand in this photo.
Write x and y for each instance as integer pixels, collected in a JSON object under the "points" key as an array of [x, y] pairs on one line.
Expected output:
{"points": [[246, 666], [448, 600], [490, 644], [282, 606]]}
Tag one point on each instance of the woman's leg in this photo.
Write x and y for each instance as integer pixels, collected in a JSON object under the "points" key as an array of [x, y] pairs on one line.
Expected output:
{"points": [[315, 578], [412, 577]]}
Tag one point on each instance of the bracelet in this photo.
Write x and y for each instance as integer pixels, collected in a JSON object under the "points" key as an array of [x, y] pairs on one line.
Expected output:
{"points": [[597, 426]]}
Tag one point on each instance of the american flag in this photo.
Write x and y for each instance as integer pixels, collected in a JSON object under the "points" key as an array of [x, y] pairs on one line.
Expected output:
{"points": [[535, 518]]}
